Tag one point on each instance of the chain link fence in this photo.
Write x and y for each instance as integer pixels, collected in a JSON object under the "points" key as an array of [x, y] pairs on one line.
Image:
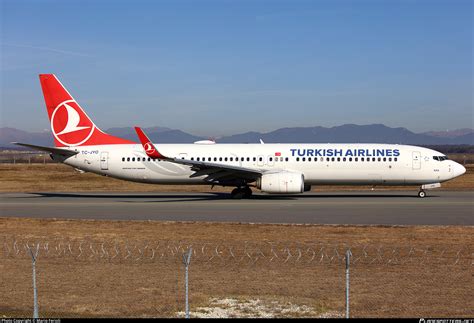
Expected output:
{"points": [[24, 157], [111, 278]]}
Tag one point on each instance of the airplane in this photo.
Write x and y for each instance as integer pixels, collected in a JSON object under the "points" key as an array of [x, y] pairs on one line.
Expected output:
{"points": [[271, 168]]}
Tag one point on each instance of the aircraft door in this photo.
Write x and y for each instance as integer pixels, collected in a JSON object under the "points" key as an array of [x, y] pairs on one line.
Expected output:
{"points": [[104, 160], [416, 163]]}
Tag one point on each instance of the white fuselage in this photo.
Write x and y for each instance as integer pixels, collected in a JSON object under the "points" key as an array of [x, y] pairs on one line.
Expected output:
{"points": [[350, 164]]}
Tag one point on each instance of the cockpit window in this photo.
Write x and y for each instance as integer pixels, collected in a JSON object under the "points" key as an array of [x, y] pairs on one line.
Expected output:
{"points": [[440, 158]]}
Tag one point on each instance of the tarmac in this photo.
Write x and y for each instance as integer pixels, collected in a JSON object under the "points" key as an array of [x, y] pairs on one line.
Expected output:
{"points": [[339, 208]]}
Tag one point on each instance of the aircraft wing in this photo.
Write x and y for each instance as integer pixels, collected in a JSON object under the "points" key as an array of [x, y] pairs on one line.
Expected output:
{"points": [[216, 173], [56, 151]]}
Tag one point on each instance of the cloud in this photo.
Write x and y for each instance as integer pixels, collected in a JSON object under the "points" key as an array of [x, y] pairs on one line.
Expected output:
{"points": [[49, 49]]}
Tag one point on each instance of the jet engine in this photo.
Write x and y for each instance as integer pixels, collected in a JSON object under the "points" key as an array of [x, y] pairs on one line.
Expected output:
{"points": [[281, 183]]}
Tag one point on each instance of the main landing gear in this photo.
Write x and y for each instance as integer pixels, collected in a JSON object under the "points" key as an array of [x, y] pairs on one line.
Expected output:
{"points": [[241, 192], [421, 193]]}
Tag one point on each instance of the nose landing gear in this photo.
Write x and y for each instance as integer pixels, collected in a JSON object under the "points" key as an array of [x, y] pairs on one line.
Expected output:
{"points": [[421, 194], [424, 187]]}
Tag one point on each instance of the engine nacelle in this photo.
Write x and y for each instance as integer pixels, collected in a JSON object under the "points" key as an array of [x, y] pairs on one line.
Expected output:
{"points": [[281, 183]]}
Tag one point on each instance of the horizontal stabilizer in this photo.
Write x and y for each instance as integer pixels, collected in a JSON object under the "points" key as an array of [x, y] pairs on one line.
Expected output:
{"points": [[56, 151]]}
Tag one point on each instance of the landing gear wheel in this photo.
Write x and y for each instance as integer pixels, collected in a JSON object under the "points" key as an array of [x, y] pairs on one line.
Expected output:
{"points": [[241, 192], [247, 192], [237, 193], [421, 194]]}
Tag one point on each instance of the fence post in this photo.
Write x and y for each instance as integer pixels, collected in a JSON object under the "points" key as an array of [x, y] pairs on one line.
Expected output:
{"points": [[35, 292], [348, 261], [186, 261]]}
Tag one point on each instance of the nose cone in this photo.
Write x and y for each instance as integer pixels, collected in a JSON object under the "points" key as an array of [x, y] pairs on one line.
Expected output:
{"points": [[458, 169]]}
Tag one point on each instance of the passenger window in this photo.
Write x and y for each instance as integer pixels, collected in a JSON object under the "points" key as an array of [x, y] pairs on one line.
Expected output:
{"points": [[192, 158], [231, 159], [220, 158], [270, 159], [361, 158], [327, 158], [333, 159], [373, 159], [356, 159], [248, 159], [197, 158], [309, 158], [225, 158], [379, 159], [385, 159], [133, 159], [255, 159], [123, 159], [344, 159], [322, 159], [395, 159], [297, 159], [338, 159], [286, 158], [128, 159], [303, 159], [350, 159]]}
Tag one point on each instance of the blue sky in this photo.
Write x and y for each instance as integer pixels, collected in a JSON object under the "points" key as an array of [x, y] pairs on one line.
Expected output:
{"points": [[214, 68]]}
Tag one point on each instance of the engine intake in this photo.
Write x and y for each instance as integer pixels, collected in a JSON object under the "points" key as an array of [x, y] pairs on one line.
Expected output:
{"points": [[281, 183]]}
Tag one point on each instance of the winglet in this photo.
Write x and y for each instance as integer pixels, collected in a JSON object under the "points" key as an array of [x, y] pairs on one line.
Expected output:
{"points": [[150, 149]]}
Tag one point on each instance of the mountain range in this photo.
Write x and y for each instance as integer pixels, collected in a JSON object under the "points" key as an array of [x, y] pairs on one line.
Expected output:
{"points": [[348, 133]]}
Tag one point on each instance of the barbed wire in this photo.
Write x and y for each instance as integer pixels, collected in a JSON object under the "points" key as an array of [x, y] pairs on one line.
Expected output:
{"points": [[229, 253]]}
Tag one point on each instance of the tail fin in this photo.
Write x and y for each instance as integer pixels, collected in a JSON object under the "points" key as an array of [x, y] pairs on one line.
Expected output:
{"points": [[70, 125]]}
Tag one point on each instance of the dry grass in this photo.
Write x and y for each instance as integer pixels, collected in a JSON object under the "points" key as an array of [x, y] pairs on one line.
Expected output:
{"points": [[59, 177], [69, 288]]}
